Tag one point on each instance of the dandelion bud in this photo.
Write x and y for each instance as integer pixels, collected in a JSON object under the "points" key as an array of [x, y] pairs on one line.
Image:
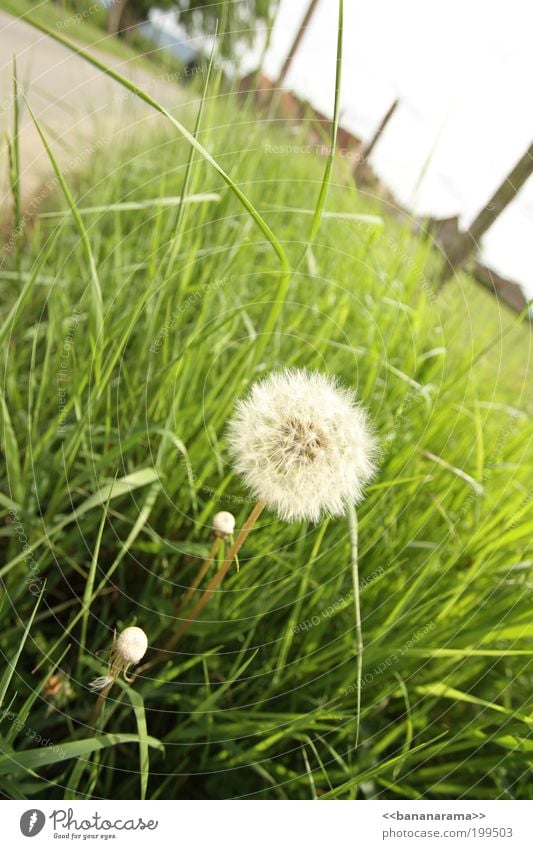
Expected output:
{"points": [[223, 524], [130, 647]]}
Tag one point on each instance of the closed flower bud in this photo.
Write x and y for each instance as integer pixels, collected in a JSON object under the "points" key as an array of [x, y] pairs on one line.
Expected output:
{"points": [[129, 648], [224, 524]]}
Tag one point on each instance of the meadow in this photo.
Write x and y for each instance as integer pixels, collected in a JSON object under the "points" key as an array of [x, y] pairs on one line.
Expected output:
{"points": [[142, 300]]}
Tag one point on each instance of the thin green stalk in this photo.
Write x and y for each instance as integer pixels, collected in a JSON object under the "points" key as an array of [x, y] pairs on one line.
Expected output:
{"points": [[14, 151], [178, 228], [219, 575], [317, 217], [354, 558], [89, 585], [200, 574], [12, 663]]}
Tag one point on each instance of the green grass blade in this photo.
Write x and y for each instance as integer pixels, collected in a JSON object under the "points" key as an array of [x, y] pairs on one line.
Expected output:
{"points": [[11, 451], [12, 665], [33, 759], [138, 205], [322, 197], [137, 703], [89, 584], [96, 311]]}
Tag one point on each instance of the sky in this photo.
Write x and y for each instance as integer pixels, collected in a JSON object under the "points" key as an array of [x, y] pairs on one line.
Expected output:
{"points": [[462, 70]]}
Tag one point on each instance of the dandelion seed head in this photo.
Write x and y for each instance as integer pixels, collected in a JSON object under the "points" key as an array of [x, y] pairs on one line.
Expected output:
{"points": [[303, 445]]}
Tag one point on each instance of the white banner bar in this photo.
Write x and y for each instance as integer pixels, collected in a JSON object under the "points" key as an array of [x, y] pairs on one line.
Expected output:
{"points": [[267, 825]]}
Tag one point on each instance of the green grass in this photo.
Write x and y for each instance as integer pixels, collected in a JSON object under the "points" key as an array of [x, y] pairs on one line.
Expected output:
{"points": [[113, 429]]}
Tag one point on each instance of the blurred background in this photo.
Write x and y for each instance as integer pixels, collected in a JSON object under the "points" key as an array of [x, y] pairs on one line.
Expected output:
{"points": [[440, 95], [461, 77]]}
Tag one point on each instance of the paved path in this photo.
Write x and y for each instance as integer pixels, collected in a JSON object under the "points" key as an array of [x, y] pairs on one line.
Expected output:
{"points": [[79, 108]]}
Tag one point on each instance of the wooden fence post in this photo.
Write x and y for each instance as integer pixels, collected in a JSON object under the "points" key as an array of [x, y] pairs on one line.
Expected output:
{"points": [[368, 148], [296, 43]]}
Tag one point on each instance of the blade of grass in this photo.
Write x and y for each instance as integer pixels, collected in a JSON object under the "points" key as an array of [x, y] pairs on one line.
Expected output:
{"points": [[324, 188], [96, 310], [11, 453], [354, 561], [32, 759], [137, 704], [128, 483], [178, 227], [44, 255], [14, 168], [12, 665], [89, 584], [138, 205]]}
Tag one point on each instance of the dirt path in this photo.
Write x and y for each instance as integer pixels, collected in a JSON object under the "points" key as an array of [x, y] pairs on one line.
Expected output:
{"points": [[79, 108]]}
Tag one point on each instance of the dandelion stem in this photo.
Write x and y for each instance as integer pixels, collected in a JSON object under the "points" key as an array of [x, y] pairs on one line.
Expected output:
{"points": [[217, 579], [201, 572], [354, 557]]}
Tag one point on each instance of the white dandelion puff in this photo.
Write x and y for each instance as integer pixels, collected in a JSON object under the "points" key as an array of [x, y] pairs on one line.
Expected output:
{"points": [[129, 648], [223, 524], [302, 445]]}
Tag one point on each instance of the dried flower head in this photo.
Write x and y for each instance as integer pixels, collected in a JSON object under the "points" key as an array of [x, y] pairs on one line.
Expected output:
{"points": [[302, 445], [223, 524], [130, 647]]}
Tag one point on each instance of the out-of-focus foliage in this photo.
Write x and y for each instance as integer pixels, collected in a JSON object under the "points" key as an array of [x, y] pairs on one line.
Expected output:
{"points": [[237, 22]]}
